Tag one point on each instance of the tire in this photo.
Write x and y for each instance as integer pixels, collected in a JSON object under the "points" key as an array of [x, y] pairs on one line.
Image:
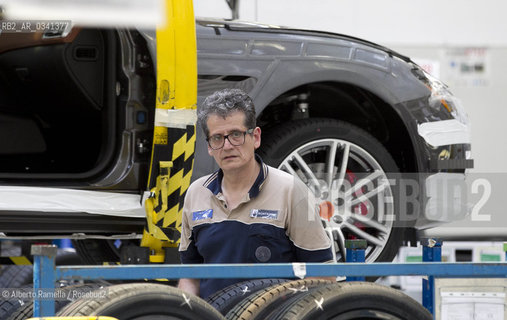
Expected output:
{"points": [[354, 300], [9, 306], [140, 301], [68, 257], [225, 299], [302, 148], [15, 276], [97, 251], [259, 305], [26, 310]]}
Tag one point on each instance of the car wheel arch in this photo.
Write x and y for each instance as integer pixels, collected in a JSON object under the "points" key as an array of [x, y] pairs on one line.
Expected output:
{"points": [[387, 124], [287, 75]]}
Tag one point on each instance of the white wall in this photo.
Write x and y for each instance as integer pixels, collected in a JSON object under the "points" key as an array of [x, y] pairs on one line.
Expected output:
{"points": [[432, 30], [449, 22]]}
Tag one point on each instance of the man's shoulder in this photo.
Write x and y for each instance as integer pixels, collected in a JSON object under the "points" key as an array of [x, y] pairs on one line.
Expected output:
{"points": [[202, 180], [199, 184], [280, 177], [279, 174]]}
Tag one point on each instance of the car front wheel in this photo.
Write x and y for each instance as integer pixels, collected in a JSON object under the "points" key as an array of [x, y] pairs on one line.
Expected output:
{"points": [[346, 166]]}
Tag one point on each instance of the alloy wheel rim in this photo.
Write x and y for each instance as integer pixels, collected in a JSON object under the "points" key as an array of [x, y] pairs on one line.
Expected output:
{"points": [[355, 184]]}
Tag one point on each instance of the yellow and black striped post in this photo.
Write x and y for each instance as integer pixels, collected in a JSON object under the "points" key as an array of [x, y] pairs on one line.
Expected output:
{"points": [[174, 132]]}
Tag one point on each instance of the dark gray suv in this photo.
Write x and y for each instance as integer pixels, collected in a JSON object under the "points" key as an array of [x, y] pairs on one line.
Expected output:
{"points": [[357, 122]]}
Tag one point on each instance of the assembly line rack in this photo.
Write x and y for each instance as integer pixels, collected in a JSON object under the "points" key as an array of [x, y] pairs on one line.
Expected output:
{"points": [[46, 273]]}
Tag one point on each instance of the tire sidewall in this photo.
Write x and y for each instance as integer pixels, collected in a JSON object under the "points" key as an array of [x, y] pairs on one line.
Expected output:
{"points": [[225, 299], [299, 133], [142, 300], [340, 299]]}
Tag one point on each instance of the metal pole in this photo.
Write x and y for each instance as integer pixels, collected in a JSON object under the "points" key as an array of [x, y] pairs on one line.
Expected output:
{"points": [[432, 252], [234, 6], [281, 270], [44, 278], [356, 253]]}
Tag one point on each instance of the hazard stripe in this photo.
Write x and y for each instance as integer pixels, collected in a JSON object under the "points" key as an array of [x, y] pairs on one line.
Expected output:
{"points": [[164, 222], [21, 261]]}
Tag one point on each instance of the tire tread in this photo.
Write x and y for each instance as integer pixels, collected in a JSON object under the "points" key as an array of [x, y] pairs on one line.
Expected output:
{"points": [[249, 308]]}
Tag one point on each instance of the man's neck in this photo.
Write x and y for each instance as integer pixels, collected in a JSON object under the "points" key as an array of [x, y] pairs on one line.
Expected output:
{"points": [[240, 181]]}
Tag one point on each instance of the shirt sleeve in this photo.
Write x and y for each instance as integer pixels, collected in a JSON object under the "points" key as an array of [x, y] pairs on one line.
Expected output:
{"points": [[305, 227], [188, 250]]}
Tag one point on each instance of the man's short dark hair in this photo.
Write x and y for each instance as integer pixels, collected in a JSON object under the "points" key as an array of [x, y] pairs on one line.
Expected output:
{"points": [[223, 103]]}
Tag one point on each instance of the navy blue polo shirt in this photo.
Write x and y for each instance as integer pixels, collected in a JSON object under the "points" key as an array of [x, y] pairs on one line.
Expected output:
{"points": [[277, 221]]}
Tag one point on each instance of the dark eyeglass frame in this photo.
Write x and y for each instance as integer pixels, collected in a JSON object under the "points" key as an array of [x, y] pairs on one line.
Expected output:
{"points": [[226, 136]]}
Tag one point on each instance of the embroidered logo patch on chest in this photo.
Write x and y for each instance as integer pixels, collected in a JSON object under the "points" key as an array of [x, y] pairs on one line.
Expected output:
{"points": [[201, 215], [264, 214]]}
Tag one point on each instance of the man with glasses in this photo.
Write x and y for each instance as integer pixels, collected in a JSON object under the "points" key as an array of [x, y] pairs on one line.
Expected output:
{"points": [[247, 211]]}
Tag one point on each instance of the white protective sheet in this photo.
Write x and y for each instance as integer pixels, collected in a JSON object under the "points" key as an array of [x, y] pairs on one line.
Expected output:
{"points": [[70, 200], [446, 132]]}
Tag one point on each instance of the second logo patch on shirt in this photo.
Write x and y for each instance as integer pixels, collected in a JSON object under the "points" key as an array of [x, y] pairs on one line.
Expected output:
{"points": [[264, 214]]}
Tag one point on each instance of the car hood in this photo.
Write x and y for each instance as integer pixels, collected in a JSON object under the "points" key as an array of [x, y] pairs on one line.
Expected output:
{"points": [[245, 26]]}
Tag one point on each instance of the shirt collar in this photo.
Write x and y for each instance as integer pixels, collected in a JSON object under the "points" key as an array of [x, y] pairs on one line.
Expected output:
{"points": [[214, 182]]}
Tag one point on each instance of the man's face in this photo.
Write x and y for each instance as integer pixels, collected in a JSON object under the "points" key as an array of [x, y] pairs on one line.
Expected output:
{"points": [[232, 157]]}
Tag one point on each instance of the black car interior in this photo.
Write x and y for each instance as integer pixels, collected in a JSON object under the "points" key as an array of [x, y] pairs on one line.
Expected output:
{"points": [[56, 104]]}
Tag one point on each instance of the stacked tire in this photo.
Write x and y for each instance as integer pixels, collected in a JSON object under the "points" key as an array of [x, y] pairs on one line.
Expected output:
{"points": [[20, 277], [265, 299], [136, 301], [13, 277], [25, 310], [226, 299], [319, 299]]}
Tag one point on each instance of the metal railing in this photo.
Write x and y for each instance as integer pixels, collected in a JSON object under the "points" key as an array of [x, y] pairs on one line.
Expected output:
{"points": [[46, 273]]}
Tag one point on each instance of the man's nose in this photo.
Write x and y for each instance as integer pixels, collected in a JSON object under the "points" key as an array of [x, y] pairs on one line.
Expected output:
{"points": [[227, 144]]}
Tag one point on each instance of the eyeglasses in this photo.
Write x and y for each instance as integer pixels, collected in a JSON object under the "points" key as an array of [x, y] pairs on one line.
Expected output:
{"points": [[236, 138]]}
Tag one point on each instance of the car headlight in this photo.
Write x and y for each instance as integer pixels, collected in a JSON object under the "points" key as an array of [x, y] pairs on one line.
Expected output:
{"points": [[441, 97]]}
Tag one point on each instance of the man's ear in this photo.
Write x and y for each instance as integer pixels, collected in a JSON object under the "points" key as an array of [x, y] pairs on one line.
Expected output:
{"points": [[257, 137], [210, 151]]}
